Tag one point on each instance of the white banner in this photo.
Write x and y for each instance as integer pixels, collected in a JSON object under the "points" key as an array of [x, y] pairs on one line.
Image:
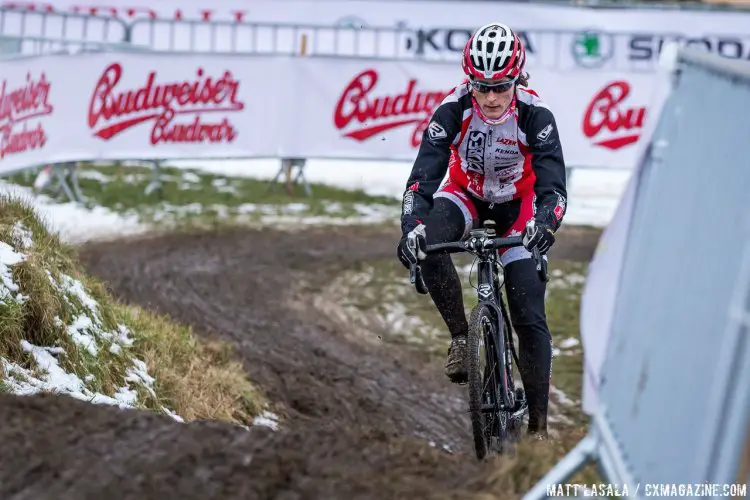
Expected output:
{"points": [[135, 106], [374, 110], [558, 36], [415, 13], [124, 106]]}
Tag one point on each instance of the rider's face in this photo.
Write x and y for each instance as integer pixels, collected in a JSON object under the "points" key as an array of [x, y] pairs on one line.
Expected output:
{"points": [[493, 104]]}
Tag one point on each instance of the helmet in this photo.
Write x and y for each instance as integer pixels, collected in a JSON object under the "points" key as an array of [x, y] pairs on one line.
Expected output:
{"points": [[494, 51]]}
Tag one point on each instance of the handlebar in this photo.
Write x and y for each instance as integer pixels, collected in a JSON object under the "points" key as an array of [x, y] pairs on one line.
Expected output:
{"points": [[477, 244]]}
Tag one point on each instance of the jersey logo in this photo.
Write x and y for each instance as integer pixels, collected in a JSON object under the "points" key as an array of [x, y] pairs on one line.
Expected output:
{"points": [[475, 150], [408, 203], [436, 131], [544, 134]]}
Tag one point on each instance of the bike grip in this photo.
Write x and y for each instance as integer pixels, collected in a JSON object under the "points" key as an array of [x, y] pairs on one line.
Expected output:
{"points": [[541, 265]]}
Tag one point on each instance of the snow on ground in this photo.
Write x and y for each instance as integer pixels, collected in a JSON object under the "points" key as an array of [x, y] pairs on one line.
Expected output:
{"points": [[86, 331], [593, 194], [74, 222]]}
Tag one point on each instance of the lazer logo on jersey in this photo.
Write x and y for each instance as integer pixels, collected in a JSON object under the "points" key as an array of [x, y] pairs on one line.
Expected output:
{"points": [[367, 115], [475, 151], [608, 116]]}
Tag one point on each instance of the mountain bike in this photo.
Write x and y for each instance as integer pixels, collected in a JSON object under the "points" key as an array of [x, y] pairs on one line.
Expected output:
{"points": [[496, 406]]}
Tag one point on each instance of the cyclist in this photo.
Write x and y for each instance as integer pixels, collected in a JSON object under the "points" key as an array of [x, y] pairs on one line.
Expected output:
{"points": [[499, 144]]}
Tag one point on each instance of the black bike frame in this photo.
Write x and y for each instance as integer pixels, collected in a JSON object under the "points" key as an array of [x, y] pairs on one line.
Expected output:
{"points": [[484, 244], [489, 294]]}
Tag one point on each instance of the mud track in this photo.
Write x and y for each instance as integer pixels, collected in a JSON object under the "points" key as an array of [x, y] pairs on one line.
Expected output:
{"points": [[361, 419]]}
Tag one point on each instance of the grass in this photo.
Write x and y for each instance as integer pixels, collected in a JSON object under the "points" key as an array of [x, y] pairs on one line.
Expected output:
{"points": [[194, 195], [61, 331]]}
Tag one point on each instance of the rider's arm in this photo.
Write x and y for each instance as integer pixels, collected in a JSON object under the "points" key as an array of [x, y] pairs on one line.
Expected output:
{"points": [[431, 164], [548, 164]]}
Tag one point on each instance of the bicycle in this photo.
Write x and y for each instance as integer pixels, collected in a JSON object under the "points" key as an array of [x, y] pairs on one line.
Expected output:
{"points": [[496, 406]]}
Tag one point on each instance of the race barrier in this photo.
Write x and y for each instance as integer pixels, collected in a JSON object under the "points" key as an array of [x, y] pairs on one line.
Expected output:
{"points": [[126, 106], [557, 35], [665, 314]]}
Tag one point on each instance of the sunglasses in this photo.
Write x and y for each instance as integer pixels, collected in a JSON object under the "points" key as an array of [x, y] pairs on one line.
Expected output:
{"points": [[484, 88]]}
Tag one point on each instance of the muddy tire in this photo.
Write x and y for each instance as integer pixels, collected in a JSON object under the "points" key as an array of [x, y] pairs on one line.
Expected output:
{"points": [[483, 382]]}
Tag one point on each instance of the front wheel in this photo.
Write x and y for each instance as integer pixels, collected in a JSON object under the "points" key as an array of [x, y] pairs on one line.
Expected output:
{"points": [[488, 423]]}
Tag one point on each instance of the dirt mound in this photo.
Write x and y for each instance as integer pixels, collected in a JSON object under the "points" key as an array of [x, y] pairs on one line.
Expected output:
{"points": [[362, 419], [65, 448]]}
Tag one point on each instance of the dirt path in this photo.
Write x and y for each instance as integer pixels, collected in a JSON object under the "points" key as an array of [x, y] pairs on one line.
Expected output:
{"points": [[362, 420]]}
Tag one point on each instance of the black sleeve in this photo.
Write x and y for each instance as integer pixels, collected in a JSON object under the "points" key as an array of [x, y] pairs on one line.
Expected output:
{"points": [[431, 164], [548, 164]]}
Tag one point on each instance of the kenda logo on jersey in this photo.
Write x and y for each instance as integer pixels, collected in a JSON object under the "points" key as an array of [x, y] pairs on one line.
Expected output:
{"points": [[112, 110], [361, 113], [610, 120], [21, 111]]}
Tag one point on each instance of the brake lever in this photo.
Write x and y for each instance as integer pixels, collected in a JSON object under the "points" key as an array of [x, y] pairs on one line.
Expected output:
{"points": [[415, 278], [541, 265]]}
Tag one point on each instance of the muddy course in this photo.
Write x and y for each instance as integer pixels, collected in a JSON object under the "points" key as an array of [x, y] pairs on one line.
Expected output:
{"points": [[360, 418]]}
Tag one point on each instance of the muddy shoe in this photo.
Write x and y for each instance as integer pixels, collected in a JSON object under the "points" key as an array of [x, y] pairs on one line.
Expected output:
{"points": [[455, 366], [538, 435]]}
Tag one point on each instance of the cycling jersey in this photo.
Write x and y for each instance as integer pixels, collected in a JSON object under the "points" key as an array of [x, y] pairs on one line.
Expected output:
{"points": [[494, 163]]}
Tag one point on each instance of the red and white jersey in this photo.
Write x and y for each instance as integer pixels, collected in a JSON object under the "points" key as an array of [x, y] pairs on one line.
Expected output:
{"points": [[494, 163]]}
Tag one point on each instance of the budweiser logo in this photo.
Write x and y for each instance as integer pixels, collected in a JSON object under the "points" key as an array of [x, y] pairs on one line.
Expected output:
{"points": [[18, 107], [606, 110], [112, 111], [366, 115]]}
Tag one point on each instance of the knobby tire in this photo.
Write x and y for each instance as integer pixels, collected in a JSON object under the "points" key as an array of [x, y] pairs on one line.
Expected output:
{"points": [[482, 379]]}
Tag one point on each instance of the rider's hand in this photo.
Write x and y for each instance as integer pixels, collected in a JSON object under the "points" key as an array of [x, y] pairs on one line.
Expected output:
{"points": [[412, 245], [538, 235]]}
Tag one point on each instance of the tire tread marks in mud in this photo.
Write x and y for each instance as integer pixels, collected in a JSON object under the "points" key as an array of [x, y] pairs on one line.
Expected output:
{"points": [[359, 419], [368, 419]]}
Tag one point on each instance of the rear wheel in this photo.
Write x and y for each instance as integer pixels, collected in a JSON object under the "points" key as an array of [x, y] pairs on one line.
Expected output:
{"points": [[489, 424]]}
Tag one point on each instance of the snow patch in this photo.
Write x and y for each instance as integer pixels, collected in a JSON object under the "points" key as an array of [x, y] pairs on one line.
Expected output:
{"points": [[74, 222], [268, 419], [8, 289], [86, 331], [21, 236]]}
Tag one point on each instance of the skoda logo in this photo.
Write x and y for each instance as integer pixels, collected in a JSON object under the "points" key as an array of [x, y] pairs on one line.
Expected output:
{"points": [[591, 49]]}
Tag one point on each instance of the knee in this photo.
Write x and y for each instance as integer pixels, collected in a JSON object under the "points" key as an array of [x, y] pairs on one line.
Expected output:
{"points": [[526, 294], [436, 263]]}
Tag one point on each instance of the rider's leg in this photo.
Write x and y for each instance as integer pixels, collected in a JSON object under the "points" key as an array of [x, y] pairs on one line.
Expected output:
{"points": [[445, 223], [525, 293], [450, 219]]}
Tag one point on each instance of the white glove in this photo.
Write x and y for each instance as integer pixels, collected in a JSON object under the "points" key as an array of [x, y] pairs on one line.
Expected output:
{"points": [[414, 244], [538, 235]]}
